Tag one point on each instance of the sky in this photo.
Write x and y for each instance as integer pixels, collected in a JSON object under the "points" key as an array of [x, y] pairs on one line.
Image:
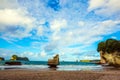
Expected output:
{"points": [[39, 29]]}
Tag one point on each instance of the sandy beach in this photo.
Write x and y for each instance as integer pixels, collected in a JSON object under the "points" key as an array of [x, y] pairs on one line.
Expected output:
{"points": [[59, 75]]}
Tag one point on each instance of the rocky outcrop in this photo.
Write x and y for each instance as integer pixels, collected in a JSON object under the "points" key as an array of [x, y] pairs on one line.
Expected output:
{"points": [[109, 52], [53, 62], [110, 58], [13, 63], [102, 59]]}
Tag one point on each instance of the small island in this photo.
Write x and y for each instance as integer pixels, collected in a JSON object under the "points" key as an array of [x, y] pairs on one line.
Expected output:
{"points": [[16, 60], [53, 62], [15, 57]]}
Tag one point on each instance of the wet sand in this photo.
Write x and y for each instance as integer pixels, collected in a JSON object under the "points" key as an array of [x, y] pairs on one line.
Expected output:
{"points": [[59, 75]]}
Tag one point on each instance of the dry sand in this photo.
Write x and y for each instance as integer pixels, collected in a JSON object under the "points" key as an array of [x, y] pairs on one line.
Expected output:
{"points": [[59, 75]]}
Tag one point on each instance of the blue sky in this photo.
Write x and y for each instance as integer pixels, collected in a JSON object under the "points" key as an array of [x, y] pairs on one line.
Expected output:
{"points": [[39, 29]]}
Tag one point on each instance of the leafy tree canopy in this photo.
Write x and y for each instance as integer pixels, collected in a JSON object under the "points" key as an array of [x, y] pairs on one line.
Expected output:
{"points": [[109, 46]]}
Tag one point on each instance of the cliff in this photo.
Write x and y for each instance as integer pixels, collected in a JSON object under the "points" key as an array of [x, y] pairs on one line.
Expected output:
{"points": [[110, 58]]}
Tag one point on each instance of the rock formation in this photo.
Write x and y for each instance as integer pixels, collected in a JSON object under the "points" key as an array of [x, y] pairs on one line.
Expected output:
{"points": [[109, 52], [110, 58], [15, 57], [53, 62]]}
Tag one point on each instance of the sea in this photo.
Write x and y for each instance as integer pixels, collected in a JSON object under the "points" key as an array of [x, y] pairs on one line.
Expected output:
{"points": [[63, 66]]}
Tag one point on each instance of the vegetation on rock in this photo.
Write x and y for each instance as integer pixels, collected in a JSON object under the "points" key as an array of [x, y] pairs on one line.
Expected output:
{"points": [[110, 52], [109, 46], [15, 57]]}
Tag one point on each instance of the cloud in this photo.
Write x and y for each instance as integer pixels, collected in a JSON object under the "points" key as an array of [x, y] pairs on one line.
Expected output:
{"points": [[8, 4], [40, 31], [94, 4], [86, 35], [15, 23], [105, 28], [15, 17], [43, 54], [104, 7], [81, 23], [35, 55], [97, 31], [6, 53], [50, 47], [57, 25]]}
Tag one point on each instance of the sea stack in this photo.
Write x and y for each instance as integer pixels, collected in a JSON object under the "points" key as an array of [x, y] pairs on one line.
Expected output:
{"points": [[53, 62]]}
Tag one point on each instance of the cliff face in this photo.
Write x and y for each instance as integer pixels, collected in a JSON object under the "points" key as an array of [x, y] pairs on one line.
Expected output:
{"points": [[102, 59], [110, 58]]}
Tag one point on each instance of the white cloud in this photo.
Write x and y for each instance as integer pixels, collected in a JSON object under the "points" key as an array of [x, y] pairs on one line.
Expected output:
{"points": [[81, 23], [93, 4], [30, 55], [8, 4], [56, 25], [40, 55], [40, 30], [15, 17], [104, 7], [97, 31], [105, 27], [15, 23], [86, 35], [43, 54]]}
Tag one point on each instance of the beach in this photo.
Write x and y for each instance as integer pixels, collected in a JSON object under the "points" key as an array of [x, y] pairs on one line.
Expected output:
{"points": [[21, 74]]}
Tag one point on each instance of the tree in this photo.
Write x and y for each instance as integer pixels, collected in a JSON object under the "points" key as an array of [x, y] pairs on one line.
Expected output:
{"points": [[115, 46], [110, 45], [101, 47]]}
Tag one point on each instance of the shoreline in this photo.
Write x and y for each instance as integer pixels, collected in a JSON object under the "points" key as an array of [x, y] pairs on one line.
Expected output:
{"points": [[21, 74]]}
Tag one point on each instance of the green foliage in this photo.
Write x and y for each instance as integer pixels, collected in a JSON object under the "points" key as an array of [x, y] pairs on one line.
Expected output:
{"points": [[109, 46], [116, 46], [14, 57], [101, 47]]}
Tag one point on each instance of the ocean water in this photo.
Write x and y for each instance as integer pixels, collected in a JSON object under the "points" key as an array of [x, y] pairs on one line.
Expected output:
{"points": [[63, 66]]}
